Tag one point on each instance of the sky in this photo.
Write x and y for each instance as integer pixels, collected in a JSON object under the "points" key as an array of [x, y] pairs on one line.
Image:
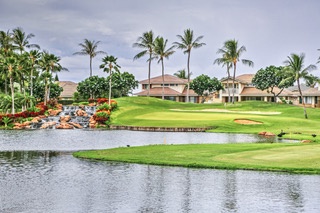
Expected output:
{"points": [[270, 30]]}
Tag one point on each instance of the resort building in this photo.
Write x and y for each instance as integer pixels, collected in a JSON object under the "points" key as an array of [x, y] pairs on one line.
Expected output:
{"points": [[69, 88], [245, 91], [175, 89]]}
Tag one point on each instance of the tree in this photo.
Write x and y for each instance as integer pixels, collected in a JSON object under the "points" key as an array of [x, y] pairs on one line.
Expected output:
{"points": [[181, 74], [49, 64], [89, 48], [225, 62], [39, 91], [34, 57], [160, 52], [146, 42], [6, 45], [232, 54], [295, 71], [204, 83], [21, 40], [312, 80], [187, 42], [93, 87], [270, 78], [123, 84], [110, 64], [10, 65]]}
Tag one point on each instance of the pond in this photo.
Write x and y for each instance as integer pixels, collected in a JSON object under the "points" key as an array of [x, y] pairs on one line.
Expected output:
{"points": [[51, 180]]}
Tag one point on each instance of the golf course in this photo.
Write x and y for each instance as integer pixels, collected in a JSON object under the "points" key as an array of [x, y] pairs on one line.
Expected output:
{"points": [[256, 116]]}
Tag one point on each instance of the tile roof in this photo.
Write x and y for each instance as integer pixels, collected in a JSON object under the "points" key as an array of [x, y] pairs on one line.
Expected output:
{"points": [[168, 79], [69, 88], [252, 91]]}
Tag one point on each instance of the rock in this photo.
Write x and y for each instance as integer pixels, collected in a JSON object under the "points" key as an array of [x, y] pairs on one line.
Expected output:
{"points": [[76, 125], [65, 119], [53, 112], [262, 133], [306, 141], [48, 125], [81, 112], [64, 126], [269, 134], [36, 120]]}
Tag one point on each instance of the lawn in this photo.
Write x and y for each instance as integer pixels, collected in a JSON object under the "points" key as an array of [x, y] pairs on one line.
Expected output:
{"points": [[293, 158], [142, 111]]}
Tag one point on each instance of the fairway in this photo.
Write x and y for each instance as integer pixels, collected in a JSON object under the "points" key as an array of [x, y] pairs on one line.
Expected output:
{"points": [[293, 158]]}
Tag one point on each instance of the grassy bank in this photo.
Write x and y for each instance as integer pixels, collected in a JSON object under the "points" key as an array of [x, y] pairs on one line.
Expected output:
{"points": [[293, 158], [141, 111]]}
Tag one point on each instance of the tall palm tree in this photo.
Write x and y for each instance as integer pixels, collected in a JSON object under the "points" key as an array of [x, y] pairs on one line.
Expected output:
{"points": [[295, 70], [49, 64], [224, 61], [232, 54], [11, 66], [187, 42], [6, 45], [160, 52], [146, 42], [89, 48], [110, 64], [21, 40], [34, 57]]}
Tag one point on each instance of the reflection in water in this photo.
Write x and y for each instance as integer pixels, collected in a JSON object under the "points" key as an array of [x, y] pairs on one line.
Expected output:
{"points": [[48, 181]]}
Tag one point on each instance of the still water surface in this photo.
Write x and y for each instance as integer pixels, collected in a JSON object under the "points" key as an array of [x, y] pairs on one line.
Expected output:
{"points": [[51, 180]]}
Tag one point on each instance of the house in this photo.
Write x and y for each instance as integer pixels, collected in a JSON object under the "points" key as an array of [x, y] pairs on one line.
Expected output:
{"points": [[174, 89], [245, 91], [69, 88]]}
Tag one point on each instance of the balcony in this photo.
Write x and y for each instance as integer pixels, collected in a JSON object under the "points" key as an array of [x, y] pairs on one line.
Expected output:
{"points": [[235, 90]]}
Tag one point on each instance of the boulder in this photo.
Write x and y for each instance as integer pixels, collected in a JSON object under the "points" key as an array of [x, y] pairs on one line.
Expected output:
{"points": [[81, 112], [53, 112], [65, 119], [64, 126], [306, 141], [262, 133], [48, 125], [269, 134], [76, 125]]}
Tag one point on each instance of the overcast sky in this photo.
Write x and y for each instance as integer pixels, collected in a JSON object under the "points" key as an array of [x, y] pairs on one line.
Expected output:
{"points": [[270, 30]]}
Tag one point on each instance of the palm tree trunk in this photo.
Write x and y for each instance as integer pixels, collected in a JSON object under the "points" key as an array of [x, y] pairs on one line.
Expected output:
{"points": [[234, 76], [90, 66], [12, 95], [304, 107], [188, 67], [228, 72], [45, 91], [149, 73], [110, 87], [162, 79]]}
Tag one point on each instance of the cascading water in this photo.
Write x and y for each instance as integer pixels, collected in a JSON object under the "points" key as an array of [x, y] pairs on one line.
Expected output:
{"points": [[78, 117]]}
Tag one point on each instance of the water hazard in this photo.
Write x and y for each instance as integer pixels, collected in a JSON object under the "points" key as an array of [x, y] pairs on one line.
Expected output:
{"points": [[51, 180]]}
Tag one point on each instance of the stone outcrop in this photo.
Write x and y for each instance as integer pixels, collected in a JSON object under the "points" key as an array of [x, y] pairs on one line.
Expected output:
{"points": [[47, 125], [76, 125], [65, 119], [81, 112], [53, 112], [64, 126], [266, 134]]}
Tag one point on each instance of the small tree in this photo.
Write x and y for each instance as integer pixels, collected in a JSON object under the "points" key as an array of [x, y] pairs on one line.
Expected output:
{"points": [[269, 79], [204, 83], [93, 87]]}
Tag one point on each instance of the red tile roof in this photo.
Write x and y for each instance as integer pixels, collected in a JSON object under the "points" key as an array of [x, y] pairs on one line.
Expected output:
{"points": [[168, 79]]}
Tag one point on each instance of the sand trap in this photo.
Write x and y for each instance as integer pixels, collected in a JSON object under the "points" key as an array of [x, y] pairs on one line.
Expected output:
{"points": [[246, 122]]}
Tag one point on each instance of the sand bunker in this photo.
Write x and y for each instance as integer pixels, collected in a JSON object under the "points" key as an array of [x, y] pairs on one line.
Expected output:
{"points": [[246, 122]]}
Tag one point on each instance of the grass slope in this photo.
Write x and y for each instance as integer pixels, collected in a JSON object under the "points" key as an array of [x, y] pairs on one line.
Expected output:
{"points": [[142, 111], [293, 158]]}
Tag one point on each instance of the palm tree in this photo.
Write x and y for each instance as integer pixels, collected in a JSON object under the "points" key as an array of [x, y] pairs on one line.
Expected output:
{"points": [[109, 64], [295, 70], [224, 61], [6, 45], [21, 40], [34, 57], [49, 64], [160, 52], [89, 48], [11, 66], [146, 42], [187, 42], [232, 53], [181, 74]]}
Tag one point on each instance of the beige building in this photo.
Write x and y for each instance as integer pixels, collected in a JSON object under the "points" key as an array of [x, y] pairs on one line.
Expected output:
{"points": [[245, 91], [174, 89], [69, 88]]}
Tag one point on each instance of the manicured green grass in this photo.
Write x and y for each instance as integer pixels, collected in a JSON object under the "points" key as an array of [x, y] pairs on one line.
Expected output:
{"points": [[293, 158], [142, 111]]}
